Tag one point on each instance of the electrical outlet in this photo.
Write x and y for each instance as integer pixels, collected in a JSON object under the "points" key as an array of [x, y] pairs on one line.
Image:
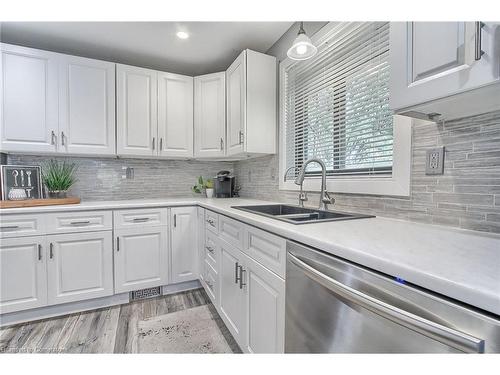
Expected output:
{"points": [[434, 161]]}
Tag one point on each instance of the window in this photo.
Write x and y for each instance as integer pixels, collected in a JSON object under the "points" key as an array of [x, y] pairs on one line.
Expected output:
{"points": [[336, 106]]}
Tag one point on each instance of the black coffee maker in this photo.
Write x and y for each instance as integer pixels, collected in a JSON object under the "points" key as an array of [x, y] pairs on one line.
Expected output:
{"points": [[224, 185]]}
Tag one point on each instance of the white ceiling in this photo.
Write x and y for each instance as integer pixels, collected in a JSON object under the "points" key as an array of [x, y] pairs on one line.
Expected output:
{"points": [[212, 46]]}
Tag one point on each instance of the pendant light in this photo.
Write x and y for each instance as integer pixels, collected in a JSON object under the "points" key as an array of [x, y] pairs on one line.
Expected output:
{"points": [[302, 47]]}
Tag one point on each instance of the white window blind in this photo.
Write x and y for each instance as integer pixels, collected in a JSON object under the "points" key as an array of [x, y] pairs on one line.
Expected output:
{"points": [[337, 104]]}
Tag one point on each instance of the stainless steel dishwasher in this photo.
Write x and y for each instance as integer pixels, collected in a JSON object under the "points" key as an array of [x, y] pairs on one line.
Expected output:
{"points": [[334, 306]]}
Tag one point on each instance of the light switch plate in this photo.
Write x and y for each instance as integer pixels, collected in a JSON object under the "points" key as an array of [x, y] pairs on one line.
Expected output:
{"points": [[434, 161]]}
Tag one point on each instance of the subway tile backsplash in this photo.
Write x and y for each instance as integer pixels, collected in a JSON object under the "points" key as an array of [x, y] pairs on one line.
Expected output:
{"points": [[101, 179], [466, 196]]}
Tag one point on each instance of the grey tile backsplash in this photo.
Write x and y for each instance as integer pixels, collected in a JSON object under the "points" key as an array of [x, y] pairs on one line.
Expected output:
{"points": [[466, 196], [101, 179]]}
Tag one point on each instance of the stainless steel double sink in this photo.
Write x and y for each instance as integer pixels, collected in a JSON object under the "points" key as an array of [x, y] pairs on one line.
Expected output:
{"points": [[299, 215]]}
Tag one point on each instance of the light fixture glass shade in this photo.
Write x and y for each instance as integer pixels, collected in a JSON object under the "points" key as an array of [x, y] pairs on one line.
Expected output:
{"points": [[302, 48]]}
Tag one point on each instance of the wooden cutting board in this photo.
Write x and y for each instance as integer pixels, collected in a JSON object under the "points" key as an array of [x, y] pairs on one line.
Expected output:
{"points": [[38, 202]]}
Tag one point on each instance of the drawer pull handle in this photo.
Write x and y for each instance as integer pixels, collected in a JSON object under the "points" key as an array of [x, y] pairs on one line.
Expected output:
{"points": [[39, 252], [478, 52], [9, 227], [242, 284], [236, 278], [87, 222], [210, 249], [211, 222], [140, 219]]}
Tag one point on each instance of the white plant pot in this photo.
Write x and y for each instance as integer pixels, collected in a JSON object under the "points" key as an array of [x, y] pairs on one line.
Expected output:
{"points": [[209, 193]]}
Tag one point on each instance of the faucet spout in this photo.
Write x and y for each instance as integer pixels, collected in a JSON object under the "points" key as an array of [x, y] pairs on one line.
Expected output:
{"points": [[325, 198]]}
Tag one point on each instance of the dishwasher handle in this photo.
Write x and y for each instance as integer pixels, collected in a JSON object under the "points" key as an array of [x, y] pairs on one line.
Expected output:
{"points": [[446, 335]]}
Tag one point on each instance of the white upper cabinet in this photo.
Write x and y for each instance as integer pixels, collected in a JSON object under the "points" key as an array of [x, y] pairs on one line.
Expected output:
{"points": [[184, 249], [236, 100], [433, 61], [136, 111], [28, 108], [210, 115], [251, 104], [175, 115], [86, 106]]}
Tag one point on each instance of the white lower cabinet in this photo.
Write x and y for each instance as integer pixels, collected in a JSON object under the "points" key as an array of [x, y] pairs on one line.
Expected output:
{"points": [[249, 293], [264, 309], [140, 258], [23, 272], [80, 266], [201, 242], [184, 244], [232, 294]]}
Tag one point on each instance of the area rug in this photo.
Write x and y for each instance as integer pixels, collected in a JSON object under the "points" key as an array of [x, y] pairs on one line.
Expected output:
{"points": [[187, 331]]}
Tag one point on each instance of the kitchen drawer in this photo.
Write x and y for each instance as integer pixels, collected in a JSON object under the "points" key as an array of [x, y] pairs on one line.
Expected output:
{"points": [[85, 221], [211, 249], [266, 248], [231, 231], [212, 283], [212, 221], [140, 218], [22, 225]]}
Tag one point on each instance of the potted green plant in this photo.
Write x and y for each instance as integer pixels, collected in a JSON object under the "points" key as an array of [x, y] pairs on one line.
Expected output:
{"points": [[58, 177], [209, 188], [206, 186]]}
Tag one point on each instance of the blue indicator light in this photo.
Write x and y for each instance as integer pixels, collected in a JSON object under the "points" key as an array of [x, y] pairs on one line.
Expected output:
{"points": [[400, 280]]}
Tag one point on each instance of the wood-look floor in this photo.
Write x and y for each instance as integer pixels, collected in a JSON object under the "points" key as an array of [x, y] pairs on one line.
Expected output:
{"points": [[107, 330]]}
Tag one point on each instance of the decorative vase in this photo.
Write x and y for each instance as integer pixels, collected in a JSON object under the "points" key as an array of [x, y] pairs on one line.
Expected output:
{"points": [[17, 194], [58, 194], [209, 193]]}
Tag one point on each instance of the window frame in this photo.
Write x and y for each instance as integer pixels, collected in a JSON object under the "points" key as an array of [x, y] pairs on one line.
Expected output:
{"points": [[395, 184]]}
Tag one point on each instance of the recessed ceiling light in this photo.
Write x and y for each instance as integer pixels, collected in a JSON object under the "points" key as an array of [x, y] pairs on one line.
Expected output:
{"points": [[182, 35]]}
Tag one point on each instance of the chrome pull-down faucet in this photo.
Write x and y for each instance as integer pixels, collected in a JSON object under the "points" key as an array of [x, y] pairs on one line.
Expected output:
{"points": [[324, 199]]}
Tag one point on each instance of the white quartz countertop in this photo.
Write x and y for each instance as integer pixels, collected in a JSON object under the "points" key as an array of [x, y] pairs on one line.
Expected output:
{"points": [[460, 264]]}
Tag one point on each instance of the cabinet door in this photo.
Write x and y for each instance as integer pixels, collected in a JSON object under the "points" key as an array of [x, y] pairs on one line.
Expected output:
{"points": [[210, 115], [431, 60], [184, 250], [136, 111], [23, 272], [28, 99], [86, 106], [80, 266], [175, 115], [265, 309], [140, 258], [236, 105], [232, 296], [201, 240]]}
